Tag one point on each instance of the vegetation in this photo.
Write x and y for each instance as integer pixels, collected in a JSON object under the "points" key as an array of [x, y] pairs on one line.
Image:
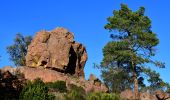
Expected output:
{"points": [[156, 83], [76, 93], [36, 91], [126, 62], [18, 50], [115, 79], [58, 86], [132, 46], [103, 96]]}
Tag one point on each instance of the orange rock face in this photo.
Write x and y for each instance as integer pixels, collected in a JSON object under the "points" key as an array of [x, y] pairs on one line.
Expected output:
{"points": [[48, 75], [57, 50]]}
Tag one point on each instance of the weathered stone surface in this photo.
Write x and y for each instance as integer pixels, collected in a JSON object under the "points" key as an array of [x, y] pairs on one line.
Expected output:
{"points": [[127, 95], [8, 68], [161, 95], [92, 77], [158, 95], [57, 50], [147, 96], [10, 85], [48, 75]]}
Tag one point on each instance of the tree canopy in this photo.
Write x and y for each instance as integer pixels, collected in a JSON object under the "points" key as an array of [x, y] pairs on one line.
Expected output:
{"points": [[133, 43], [18, 50]]}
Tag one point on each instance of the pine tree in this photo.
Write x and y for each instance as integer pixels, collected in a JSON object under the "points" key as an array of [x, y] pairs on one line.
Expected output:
{"points": [[133, 43]]}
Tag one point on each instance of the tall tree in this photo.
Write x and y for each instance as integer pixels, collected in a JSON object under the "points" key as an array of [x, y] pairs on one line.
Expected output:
{"points": [[133, 43], [116, 78], [18, 50]]}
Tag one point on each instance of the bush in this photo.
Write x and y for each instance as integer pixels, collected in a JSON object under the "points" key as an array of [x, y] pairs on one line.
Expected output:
{"points": [[94, 96], [102, 96], [76, 93], [58, 86], [36, 91]]}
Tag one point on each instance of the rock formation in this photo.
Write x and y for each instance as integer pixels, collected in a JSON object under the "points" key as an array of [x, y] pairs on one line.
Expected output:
{"points": [[8, 68], [158, 95], [57, 50], [93, 84], [10, 85], [55, 56], [162, 95]]}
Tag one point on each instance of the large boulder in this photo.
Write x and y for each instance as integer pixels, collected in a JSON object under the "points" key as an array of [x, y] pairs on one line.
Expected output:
{"points": [[57, 50]]}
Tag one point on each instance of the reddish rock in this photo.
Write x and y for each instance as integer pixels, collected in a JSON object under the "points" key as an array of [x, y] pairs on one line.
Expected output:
{"points": [[10, 86], [161, 95], [8, 68], [158, 95], [48, 75], [92, 77], [7, 75], [147, 96], [127, 95], [57, 50]]}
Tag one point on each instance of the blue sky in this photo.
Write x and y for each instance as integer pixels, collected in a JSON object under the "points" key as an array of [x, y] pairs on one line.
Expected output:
{"points": [[85, 18]]}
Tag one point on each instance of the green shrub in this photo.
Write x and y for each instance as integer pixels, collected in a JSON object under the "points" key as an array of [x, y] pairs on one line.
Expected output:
{"points": [[102, 96], [58, 86], [94, 96], [76, 93], [107, 96], [36, 91]]}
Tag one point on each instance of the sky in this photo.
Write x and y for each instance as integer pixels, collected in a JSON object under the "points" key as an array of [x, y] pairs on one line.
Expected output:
{"points": [[86, 19]]}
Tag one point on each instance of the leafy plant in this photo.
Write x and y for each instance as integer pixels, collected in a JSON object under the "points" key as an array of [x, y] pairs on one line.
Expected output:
{"points": [[36, 91], [76, 93], [102, 96], [58, 86]]}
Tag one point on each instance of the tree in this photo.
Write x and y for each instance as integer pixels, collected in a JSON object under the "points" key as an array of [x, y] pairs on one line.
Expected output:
{"points": [[156, 83], [133, 43], [18, 50], [116, 78]]}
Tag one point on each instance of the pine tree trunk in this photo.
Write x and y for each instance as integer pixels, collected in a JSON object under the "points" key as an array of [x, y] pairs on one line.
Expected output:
{"points": [[136, 92]]}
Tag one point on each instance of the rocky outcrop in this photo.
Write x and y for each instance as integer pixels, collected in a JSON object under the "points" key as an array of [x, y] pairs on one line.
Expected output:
{"points": [[57, 50], [48, 75], [8, 68], [158, 95], [127, 95], [10, 86], [55, 56], [162, 95], [147, 96]]}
